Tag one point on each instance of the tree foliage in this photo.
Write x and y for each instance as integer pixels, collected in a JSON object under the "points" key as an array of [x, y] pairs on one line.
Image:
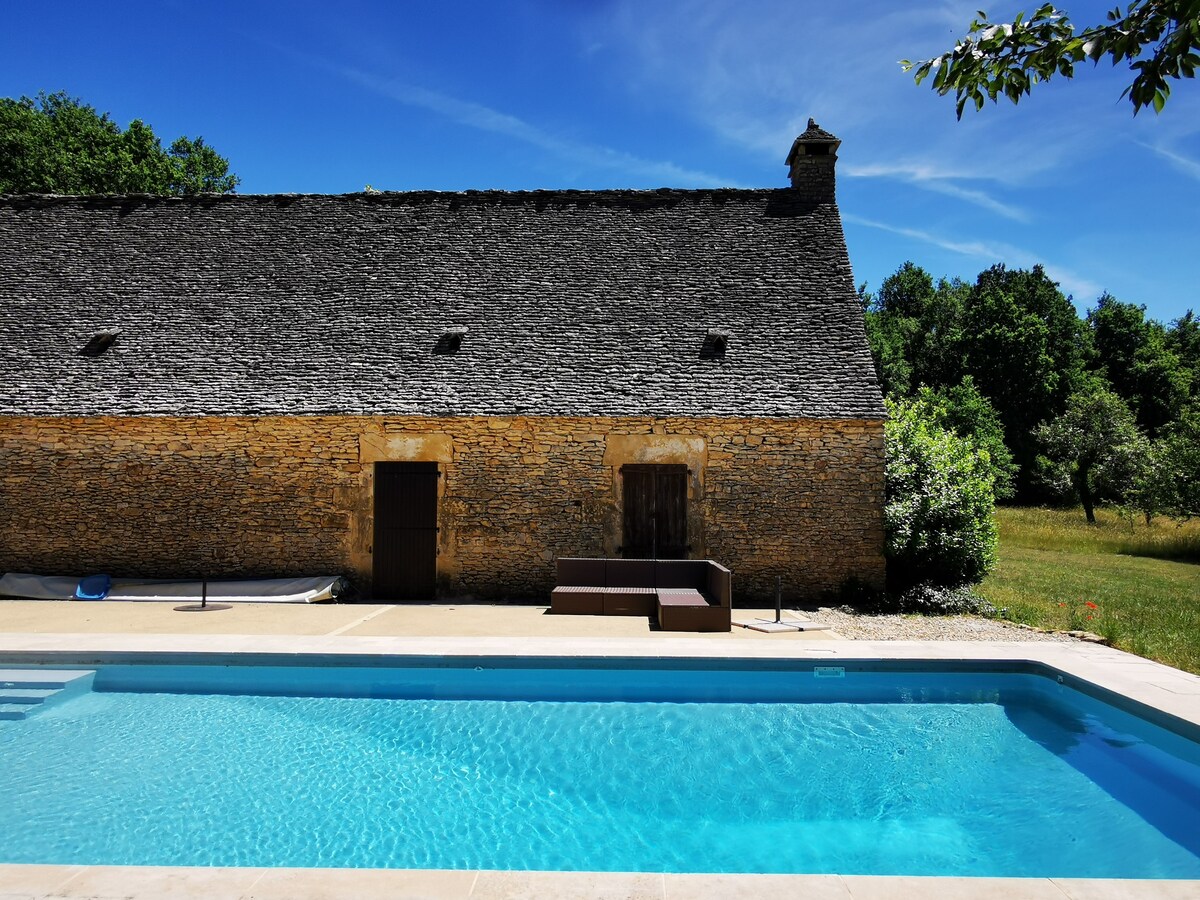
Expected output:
{"points": [[1174, 481], [1008, 58], [1024, 346], [1012, 333], [938, 513], [56, 144], [1135, 357], [914, 331], [1006, 363], [1099, 445], [1183, 339], [966, 412]]}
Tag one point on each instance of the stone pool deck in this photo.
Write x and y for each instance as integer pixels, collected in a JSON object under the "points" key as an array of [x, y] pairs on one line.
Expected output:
{"points": [[32, 631]]}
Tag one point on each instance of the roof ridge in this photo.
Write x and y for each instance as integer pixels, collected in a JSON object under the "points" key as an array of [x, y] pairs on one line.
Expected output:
{"points": [[375, 196]]}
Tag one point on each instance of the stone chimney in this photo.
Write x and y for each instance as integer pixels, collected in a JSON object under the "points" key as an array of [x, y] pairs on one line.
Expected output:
{"points": [[811, 163]]}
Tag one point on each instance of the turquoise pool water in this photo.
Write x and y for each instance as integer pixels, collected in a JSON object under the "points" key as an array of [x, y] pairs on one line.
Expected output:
{"points": [[728, 771]]}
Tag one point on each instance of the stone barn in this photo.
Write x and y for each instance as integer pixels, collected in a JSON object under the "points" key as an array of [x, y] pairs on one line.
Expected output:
{"points": [[437, 394]]}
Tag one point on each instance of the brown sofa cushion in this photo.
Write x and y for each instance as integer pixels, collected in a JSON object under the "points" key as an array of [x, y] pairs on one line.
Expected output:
{"points": [[682, 573], [629, 573], [575, 572]]}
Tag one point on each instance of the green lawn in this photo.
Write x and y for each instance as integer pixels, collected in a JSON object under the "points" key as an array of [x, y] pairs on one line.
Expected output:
{"points": [[1053, 564]]}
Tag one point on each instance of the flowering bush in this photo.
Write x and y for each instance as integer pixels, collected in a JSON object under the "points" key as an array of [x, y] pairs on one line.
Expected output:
{"points": [[939, 504]]}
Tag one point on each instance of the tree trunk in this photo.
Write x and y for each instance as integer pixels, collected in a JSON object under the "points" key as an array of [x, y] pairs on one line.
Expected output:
{"points": [[1085, 493]]}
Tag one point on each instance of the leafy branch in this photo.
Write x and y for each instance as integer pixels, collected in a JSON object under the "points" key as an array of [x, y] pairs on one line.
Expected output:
{"points": [[1009, 58]]}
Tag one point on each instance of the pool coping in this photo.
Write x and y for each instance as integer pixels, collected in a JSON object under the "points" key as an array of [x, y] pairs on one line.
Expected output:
{"points": [[1168, 693]]}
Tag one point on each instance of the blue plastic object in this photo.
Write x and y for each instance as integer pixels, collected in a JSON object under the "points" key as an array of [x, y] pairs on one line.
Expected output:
{"points": [[94, 587]]}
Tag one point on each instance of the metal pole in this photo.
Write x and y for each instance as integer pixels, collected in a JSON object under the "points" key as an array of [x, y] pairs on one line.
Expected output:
{"points": [[778, 598]]}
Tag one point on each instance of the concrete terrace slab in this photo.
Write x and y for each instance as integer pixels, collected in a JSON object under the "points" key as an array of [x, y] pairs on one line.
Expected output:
{"points": [[408, 620], [69, 633], [161, 618]]}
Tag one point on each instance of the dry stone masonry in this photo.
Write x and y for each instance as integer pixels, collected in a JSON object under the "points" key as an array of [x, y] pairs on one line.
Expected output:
{"points": [[275, 496]]}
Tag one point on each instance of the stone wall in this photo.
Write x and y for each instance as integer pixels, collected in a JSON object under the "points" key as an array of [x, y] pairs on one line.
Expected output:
{"points": [[274, 496]]}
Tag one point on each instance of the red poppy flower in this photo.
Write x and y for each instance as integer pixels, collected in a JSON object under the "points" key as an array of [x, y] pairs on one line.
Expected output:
{"points": [[1091, 605]]}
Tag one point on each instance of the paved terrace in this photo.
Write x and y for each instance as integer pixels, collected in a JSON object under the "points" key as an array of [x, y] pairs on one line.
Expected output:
{"points": [[36, 630]]}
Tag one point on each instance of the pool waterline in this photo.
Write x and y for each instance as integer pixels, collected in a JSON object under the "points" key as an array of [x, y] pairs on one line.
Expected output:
{"points": [[1166, 691]]}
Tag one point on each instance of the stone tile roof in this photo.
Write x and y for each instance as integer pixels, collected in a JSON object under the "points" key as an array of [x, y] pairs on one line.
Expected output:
{"points": [[575, 303]]}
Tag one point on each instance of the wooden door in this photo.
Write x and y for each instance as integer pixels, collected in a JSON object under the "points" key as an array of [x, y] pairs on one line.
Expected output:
{"points": [[655, 515], [406, 532]]}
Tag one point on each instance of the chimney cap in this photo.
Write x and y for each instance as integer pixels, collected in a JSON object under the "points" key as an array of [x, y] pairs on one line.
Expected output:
{"points": [[813, 137]]}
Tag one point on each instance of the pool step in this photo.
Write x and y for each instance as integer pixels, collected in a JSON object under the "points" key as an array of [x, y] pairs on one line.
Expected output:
{"points": [[25, 691]]}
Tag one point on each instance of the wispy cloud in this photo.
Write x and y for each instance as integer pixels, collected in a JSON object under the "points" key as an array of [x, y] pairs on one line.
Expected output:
{"points": [[484, 118], [989, 251], [937, 179], [752, 71], [1184, 164]]}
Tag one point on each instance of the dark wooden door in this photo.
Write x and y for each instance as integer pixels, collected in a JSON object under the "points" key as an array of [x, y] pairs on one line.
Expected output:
{"points": [[405, 547], [655, 512]]}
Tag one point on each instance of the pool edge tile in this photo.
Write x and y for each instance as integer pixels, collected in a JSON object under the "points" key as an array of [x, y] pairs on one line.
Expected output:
{"points": [[217, 883], [917, 887], [363, 884], [502, 885], [166, 882], [1126, 889], [36, 879], [688, 886]]}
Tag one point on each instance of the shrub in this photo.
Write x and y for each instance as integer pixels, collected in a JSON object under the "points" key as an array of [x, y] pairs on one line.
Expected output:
{"points": [[943, 601], [970, 415], [939, 503], [928, 599]]}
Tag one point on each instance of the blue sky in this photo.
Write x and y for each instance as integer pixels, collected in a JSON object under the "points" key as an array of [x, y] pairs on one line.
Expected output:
{"points": [[331, 96]]}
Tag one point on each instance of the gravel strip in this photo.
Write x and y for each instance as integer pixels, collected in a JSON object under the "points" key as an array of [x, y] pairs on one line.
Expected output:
{"points": [[859, 626]]}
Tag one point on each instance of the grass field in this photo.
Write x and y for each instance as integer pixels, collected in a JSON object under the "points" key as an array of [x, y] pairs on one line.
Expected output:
{"points": [[1127, 581]]}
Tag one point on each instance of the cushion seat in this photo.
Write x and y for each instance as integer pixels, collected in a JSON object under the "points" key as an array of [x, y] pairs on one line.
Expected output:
{"points": [[681, 597], [629, 601], [681, 609], [577, 600]]}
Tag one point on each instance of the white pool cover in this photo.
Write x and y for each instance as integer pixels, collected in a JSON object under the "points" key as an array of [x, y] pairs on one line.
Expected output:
{"points": [[264, 590]]}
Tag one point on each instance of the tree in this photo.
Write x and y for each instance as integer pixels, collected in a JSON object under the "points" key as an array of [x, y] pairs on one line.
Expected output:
{"points": [[1183, 339], [1098, 443], [939, 505], [1134, 355], [58, 145], [1013, 333], [1009, 58], [1023, 343], [913, 330], [1175, 480]]}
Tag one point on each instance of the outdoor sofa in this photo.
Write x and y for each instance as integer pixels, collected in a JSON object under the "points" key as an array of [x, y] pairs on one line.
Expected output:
{"points": [[684, 594]]}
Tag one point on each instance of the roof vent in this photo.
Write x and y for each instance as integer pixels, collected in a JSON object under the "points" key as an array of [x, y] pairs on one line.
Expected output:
{"points": [[450, 340], [99, 342], [714, 343]]}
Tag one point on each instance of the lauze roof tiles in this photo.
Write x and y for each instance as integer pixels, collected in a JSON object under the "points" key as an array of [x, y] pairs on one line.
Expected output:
{"points": [[559, 302]]}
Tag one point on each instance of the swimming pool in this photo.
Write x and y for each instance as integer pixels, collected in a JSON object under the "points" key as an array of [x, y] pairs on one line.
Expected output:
{"points": [[617, 765]]}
